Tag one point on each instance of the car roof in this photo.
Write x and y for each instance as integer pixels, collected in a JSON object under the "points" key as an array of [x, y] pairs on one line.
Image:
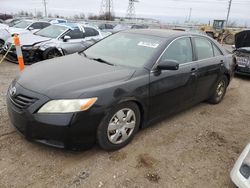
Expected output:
{"points": [[164, 33], [71, 26], [33, 21]]}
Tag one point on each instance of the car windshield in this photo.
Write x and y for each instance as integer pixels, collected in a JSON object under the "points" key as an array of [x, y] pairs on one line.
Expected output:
{"points": [[52, 31], [127, 49], [23, 24]]}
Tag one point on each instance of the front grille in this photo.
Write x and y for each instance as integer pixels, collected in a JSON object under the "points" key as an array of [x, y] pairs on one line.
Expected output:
{"points": [[22, 101]]}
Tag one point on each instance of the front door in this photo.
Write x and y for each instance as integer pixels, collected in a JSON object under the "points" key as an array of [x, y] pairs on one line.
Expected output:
{"points": [[172, 90], [75, 43]]}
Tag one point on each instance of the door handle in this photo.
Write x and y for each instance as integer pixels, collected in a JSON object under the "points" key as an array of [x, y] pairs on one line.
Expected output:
{"points": [[193, 69]]}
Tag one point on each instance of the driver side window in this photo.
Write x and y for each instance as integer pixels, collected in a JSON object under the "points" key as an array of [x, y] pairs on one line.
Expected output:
{"points": [[180, 51]]}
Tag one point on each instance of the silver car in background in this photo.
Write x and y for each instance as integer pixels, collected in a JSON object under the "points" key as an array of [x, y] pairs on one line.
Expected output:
{"points": [[54, 41]]}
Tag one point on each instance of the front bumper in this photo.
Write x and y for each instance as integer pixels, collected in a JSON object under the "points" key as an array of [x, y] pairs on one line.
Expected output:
{"points": [[29, 56], [70, 131], [236, 175], [242, 71]]}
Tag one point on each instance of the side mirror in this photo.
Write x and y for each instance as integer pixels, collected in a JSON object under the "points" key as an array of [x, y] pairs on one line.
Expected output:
{"points": [[66, 38], [168, 65], [31, 28]]}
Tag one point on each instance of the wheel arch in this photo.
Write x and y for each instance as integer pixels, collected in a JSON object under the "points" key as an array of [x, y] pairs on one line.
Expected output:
{"points": [[52, 48], [141, 107]]}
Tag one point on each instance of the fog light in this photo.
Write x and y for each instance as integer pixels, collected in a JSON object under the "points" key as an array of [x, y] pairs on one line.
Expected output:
{"points": [[245, 171]]}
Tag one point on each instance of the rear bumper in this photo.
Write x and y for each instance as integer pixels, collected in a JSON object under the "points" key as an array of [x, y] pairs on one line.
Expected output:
{"points": [[236, 176], [69, 131]]}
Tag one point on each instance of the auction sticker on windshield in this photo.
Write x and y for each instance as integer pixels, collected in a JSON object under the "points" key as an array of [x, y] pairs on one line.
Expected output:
{"points": [[148, 44]]}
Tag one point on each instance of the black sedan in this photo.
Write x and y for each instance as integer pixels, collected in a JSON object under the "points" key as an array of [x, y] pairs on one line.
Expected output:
{"points": [[116, 87]]}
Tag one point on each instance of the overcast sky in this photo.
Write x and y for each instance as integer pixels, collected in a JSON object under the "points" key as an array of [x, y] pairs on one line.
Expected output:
{"points": [[176, 9]]}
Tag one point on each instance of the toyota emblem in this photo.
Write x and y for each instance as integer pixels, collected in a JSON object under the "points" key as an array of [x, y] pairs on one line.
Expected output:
{"points": [[13, 91]]}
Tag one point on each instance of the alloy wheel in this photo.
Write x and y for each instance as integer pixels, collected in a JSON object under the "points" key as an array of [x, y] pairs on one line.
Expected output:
{"points": [[220, 90], [53, 54]]}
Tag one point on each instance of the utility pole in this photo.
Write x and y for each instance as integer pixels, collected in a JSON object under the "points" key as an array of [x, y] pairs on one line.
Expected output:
{"points": [[45, 8], [107, 9], [190, 14], [228, 13]]}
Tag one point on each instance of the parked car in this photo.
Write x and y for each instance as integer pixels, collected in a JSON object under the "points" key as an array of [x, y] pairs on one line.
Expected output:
{"points": [[106, 26], [56, 20], [12, 22], [106, 93], [139, 26], [120, 27], [24, 26], [240, 173], [54, 41], [242, 52]]}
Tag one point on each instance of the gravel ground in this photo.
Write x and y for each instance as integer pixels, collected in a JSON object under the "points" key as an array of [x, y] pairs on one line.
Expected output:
{"points": [[196, 148]]}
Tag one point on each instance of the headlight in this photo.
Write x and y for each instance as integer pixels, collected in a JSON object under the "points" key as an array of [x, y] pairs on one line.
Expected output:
{"points": [[67, 106], [30, 47], [245, 167]]}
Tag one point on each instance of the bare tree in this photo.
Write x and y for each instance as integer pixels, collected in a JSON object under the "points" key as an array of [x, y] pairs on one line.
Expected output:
{"points": [[39, 14]]}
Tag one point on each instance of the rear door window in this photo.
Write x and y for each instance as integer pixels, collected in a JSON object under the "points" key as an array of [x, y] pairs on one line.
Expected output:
{"points": [[204, 48], [90, 32], [217, 52], [37, 25]]}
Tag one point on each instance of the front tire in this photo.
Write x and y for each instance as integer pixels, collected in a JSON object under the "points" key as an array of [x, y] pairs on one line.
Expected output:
{"points": [[119, 126], [219, 90], [51, 53]]}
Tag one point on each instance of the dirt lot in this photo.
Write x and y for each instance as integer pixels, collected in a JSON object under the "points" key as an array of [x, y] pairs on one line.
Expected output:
{"points": [[196, 148]]}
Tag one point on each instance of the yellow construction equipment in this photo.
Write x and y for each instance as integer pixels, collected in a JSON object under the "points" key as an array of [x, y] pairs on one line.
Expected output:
{"points": [[219, 32]]}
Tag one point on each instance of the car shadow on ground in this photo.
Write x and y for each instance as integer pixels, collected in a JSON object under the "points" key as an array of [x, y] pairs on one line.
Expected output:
{"points": [[243, 77]]}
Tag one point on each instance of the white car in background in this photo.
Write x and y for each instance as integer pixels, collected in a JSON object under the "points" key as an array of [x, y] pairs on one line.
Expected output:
{"points": [[240, 173], [24, 26]]}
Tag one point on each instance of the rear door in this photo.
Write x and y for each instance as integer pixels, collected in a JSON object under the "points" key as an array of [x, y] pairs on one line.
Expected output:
{"points": [[172, 90], [210, 62], [91, 34]]}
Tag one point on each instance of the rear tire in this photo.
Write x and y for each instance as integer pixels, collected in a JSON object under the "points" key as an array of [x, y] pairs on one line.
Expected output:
{"points": [[219, 90], [119, 126]]}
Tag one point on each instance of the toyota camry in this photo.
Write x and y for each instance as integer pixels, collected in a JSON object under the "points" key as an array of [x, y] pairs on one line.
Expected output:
{"points": [[116, 87]]}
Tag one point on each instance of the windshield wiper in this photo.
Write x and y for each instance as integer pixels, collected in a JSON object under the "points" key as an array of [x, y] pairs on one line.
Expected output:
{"points": [[97, 59], [102, 61]]}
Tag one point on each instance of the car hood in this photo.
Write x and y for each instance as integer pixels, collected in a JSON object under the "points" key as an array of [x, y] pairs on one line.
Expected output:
{"points": [[3, 26], [70, 76], [242, 39], [29, 39], [13, 30]]}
